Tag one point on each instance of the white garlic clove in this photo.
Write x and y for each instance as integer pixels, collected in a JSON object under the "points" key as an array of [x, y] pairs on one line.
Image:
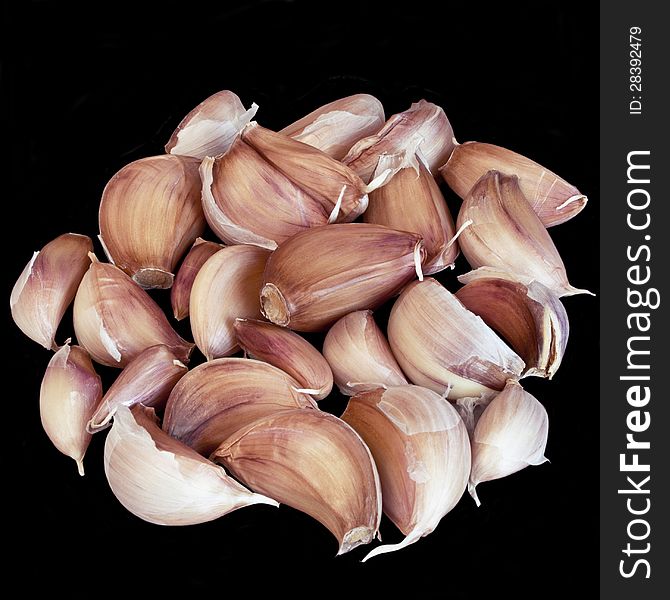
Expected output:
{"points": [[148, 380], [287, 351], [70, 391], [422, 451], [47, 286], [226, 287], [553, 199], [501, 230], [163, 481], [531, 318], [211, 127], [314, 462], [180, 293], [359, 355], [510, 435], [150, 213], [441, 345], [422, 128], [412, 201], [323, 273], [335, 127], [115, 319], [216, 399]]}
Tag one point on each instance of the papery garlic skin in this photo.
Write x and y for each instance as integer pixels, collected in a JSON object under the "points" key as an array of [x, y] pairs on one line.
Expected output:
{"points": [[335, 127], [47, 286], [422, 450], [161, 480], [211, 127], [70, 391], [226, 287], [115, 319], [531, 318], [510, 435], [287, 351], [441, 345], [150, 213], [314, 462], [412, 201], [180, 293], [320, 275], [216, 399], [553, 199], [359, 355], [148, 380], [422, 128], [501, 231]]}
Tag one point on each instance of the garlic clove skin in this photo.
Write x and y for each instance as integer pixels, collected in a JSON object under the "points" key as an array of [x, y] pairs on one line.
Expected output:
{"points": [[497, 215], [510, 435], [422, 128], [115, 319], [530, 318], [553, 199], [164, 482], [147, 380], [149, 215], [47, 286], [470, 408], [70, 391], [248, 201], [323, 178], [359, 355], [441, 345], [422, 450], [180, 293], [412, 201], [216, 399], [320, 275], [287, 351], [211, 127], [314, 462], [335, 127], [225, 288]]}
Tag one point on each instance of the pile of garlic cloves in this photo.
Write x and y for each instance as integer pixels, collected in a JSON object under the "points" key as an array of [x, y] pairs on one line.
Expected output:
{"points": [[280, 247]]}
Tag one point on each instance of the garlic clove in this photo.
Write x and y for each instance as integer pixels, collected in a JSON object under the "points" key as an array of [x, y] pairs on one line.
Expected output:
{"points": [[530, 318], [496, 215], [423, 127], [180, 294], [510, 435], [148, 380], [335, 127], [47, 286], [115, 319], [553, 199], [314, 462], [412, 201], [149, 215], [320, 275], [326, 180], [287, 351], [226, 287], [441, 345], [248, 201], [422, 450], [359, 355], [70, 391], [215, 399], [210, 128], [161, 480]]}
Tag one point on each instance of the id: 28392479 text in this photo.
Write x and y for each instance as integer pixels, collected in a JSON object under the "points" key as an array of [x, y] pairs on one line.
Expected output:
{"points": [[635, 70]]}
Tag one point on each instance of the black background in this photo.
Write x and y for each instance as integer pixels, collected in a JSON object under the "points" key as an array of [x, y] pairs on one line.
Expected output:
{"points": [[93, 88]]}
